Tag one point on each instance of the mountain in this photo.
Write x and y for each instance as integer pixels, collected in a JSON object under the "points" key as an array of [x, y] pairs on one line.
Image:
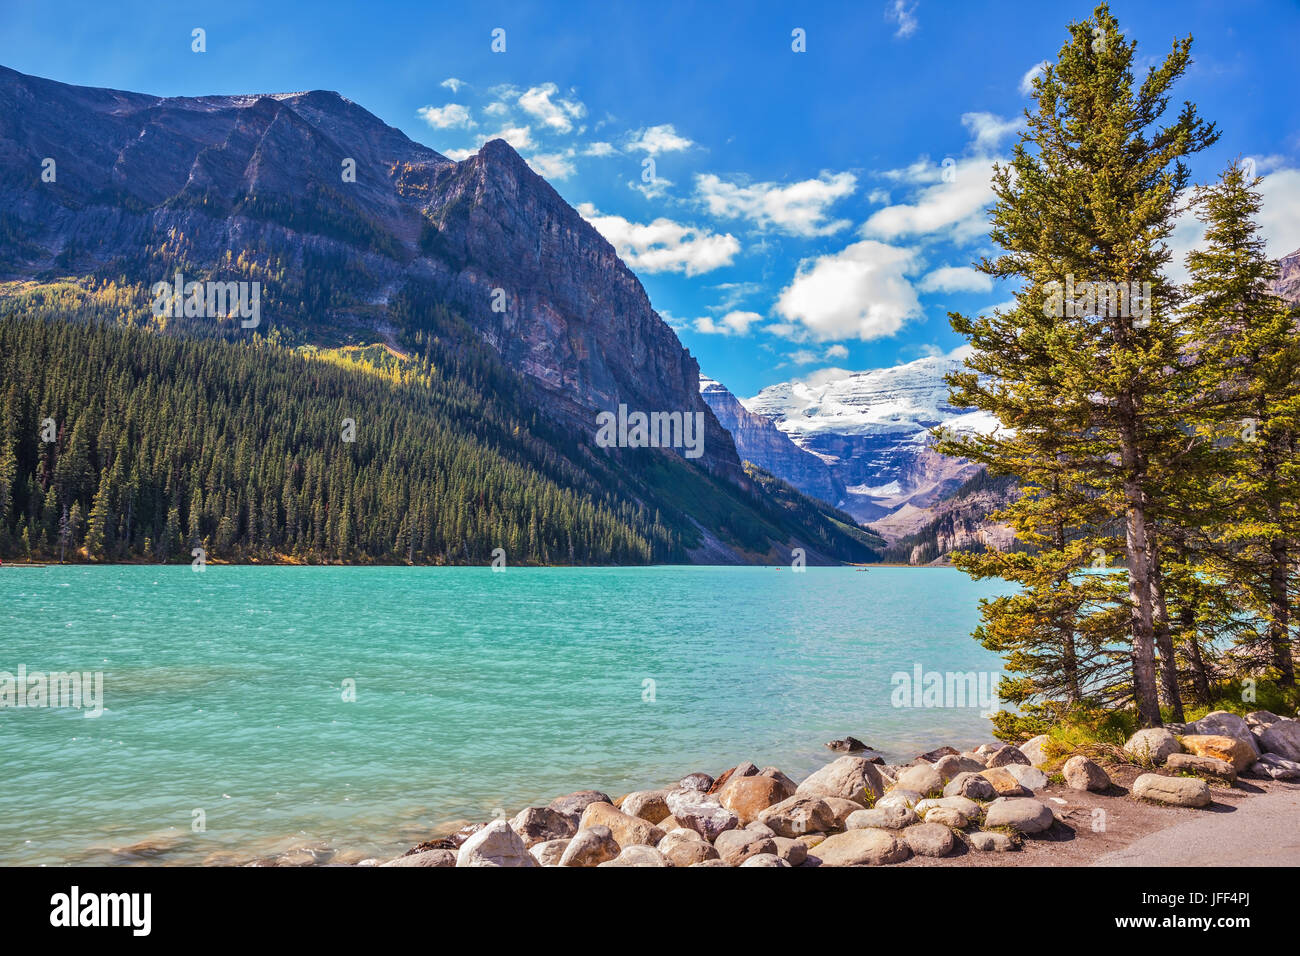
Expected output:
{"points": [[871, 429], [1288, 280], [959, 521], [358, 235], [759, 441]]}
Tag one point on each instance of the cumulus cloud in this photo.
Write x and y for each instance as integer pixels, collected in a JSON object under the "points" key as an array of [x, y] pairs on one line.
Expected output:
{"points": [[988, 129], [446, 117], [958, 208], [520, 137], [452, 84], [599, 149], [798, 209], [956, 279], [860, 292], [903, 13], [1279, 213], [658, 139], [552, 165], [459, 155], [552, 110], [664, 245], [1027, 81], [733, 323]]}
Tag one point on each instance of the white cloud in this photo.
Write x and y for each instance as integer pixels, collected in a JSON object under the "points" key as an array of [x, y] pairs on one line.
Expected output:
{"points": [[599, 149], [733, 323], [446, 117], [988, 129], [520, 137], [956, 279], [664, 245], [654, 189], [798, 209], [1027, 81], [558, 113], [1279, 213], [861, 292], [459, 155], [904, 14], [836, 352], [658, 139], [452, 84], [553, 165], [496, 108], [958, 209]]}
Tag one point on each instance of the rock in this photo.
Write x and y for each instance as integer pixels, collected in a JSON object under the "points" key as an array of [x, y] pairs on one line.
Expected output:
{"points": [[923, 779], [885, 818], [1176, 791], [950, 765], [749, 796], [1261, 718], [963, 805], [1152, 743], [1003, 782], [1033, 750], [776, 774], [934, 756], [1228, 749], [1006, 755], [900, 798], [1221, 723], [763, 828], [627, 829], [851, 778], [765, 859], [985, 749], [737, 846], [846, 745], [929, 839], [862, 848], [793, 852], [991, 841], [973, 786], [427, 858], [1282, 738], [798, 815], [669, 823], [590, 847], [841, 809], [745, 769], [696, 781], [539, 824], [1083, 774], [701, 812], [1279, 768], [947, 817], [1024, 815], [638, 855], [495, 845], [649, 805], [711, 863], [683, 847], [1029, 777], [572, 804], [1202, 766], [549, 853]]}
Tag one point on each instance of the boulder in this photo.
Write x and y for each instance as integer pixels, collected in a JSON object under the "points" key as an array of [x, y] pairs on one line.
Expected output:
{"points": [[1152, 743], [929, 839], [884, 818], [973, 786], [701, 812], [748, 796], [638, 856], [1202, 767], [627, 829], [683, 847], [846, 745], [934, 756], [765, 859], [717, 862], [990, 841], [1222, 723], [1031, 778], [1003, 782], [841, 809], [1279, 768], [793, 852], [1006, 755], [572, 804], [745, 769], [539, 824], [850, 778], [649, 805], [798, 815], [1083, 774], [427, 858], [900, 798], [949, 765], [1022, 814], [1033, 749], [1281, 738], [947, 817], [967, 807], [549, 853], [1175, 791], [862, 848], [695, 781], [737, 846], [495, 845], [590, 847], [763, 828], [1228, 749], [923, 779], [1261, 718]]}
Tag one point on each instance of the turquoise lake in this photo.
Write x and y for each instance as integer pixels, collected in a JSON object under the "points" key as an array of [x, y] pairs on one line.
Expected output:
{"points": [[476, 693]]}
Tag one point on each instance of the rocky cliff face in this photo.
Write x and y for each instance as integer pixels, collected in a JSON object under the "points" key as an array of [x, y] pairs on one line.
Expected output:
{"points": [[758, 440], [1288, 280], [255, 187]]}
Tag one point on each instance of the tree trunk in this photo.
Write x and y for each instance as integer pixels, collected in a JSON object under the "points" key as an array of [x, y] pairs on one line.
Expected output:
{"points": [[1279, 629], [1139, 577], [1200, 677], [1164, 638]]}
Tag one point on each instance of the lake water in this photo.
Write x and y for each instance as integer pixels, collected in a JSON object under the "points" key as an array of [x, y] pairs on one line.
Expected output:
{"points": [[475, 693]]}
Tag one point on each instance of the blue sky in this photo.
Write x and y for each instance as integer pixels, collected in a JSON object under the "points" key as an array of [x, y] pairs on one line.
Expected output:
{"points": [[798, 217]]}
